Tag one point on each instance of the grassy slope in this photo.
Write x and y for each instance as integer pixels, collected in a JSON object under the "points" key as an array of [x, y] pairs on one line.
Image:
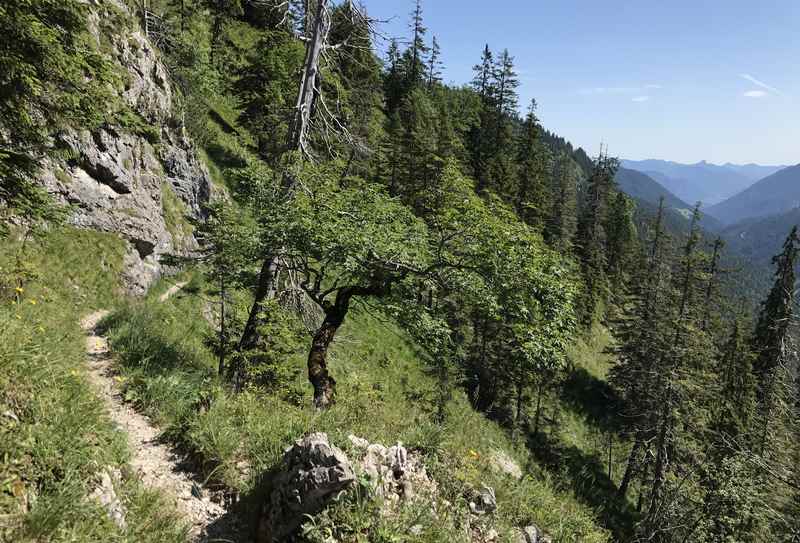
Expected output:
{"points": [[588, 436], [385, 395], [54, 435]]}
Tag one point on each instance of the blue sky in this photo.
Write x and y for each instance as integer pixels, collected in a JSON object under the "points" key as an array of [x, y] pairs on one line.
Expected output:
{"points": [[715, 80]]}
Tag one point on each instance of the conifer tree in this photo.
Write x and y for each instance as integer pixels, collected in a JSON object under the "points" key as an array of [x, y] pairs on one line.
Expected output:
{"points": [[531, 192], [563, 221], [480, 139], [735, 408], [622, 237], [591, 237], [506, 83], [501, 124], [771, 336], [641, 336], [733, 492], [417, 51], [434, 65], [712, 284], [682, 364], [394, 81]]}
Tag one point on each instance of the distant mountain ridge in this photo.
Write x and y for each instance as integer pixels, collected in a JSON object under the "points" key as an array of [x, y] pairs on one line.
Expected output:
{"points": [[754, 172], [644, 188], [704, 182], [773, 195]]}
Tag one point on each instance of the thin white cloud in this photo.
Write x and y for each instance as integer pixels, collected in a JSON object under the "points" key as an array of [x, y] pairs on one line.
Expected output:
{"points": [[758, 83], [619, 90], [610, 90], [640, 98], [755, 94]]}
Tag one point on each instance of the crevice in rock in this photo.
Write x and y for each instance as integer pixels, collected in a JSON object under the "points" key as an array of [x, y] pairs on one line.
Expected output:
{"points": [[143, 247], [104, 175]]}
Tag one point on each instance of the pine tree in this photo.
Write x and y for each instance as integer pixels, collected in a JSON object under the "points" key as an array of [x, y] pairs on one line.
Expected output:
{"points": [[563, 217], [683, 364], [479, 138], [622, 238], [771, 335], [733, 500], [482, 78], [712, 284], [434, 65], [591, 237], [735, 408], [417, 51], [642, 337], [506, 83], [500, 124], [394, 81], [530, 193]]}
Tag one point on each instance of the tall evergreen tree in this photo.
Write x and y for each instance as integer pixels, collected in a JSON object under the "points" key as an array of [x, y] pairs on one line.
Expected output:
{"points": [[642, 342], [480, 137], [434, 76], [622, 238], [563, 216], [591, 237], [771, 335], [415, 56], [530, 193]]}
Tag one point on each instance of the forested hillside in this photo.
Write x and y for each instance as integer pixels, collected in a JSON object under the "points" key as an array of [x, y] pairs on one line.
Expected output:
{"points": [[342, 251], [773, 195]]}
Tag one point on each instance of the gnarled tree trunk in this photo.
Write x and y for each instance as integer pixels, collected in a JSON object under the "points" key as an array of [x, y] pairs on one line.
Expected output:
{"points": [[322, 381]]}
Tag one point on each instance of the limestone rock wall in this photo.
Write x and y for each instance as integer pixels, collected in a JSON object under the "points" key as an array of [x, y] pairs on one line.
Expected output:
{"points": [[142, 186]]}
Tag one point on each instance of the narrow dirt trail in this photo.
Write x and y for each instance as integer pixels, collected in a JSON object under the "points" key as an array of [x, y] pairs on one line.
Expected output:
{"points": [[157, 465]]}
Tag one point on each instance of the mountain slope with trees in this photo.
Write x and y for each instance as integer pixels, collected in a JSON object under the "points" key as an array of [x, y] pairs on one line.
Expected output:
{"points": [[773, 195], [700, 182], [394, 258]]}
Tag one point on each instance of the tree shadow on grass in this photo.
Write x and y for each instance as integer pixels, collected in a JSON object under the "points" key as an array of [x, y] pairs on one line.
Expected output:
{"points": [[587, 477], [594, 398]]}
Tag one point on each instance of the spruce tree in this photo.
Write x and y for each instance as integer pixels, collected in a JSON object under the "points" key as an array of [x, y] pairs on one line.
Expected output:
{"points": [[642, 336], [434, 65], [771, 336], [480, 137], [415, 56], [591, 237], [530, 193], [622, 238], [563, 218]]}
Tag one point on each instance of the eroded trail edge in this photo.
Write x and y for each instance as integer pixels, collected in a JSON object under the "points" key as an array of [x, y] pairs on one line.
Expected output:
{"points": [[157, 465]]}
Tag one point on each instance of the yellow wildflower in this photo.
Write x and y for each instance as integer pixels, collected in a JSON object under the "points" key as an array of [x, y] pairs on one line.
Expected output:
{"points": [[19, 289], [33, 302]]}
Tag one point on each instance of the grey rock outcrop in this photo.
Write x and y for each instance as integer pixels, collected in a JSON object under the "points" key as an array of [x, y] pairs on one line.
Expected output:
{"points": [[312, 473], [139, 186], [484, 503], [501, 462], [395, 474], [106, 496], [532, 534]]}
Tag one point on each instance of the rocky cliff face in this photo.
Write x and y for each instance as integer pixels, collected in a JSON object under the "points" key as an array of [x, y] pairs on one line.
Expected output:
{"points": [[141, 186]]}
